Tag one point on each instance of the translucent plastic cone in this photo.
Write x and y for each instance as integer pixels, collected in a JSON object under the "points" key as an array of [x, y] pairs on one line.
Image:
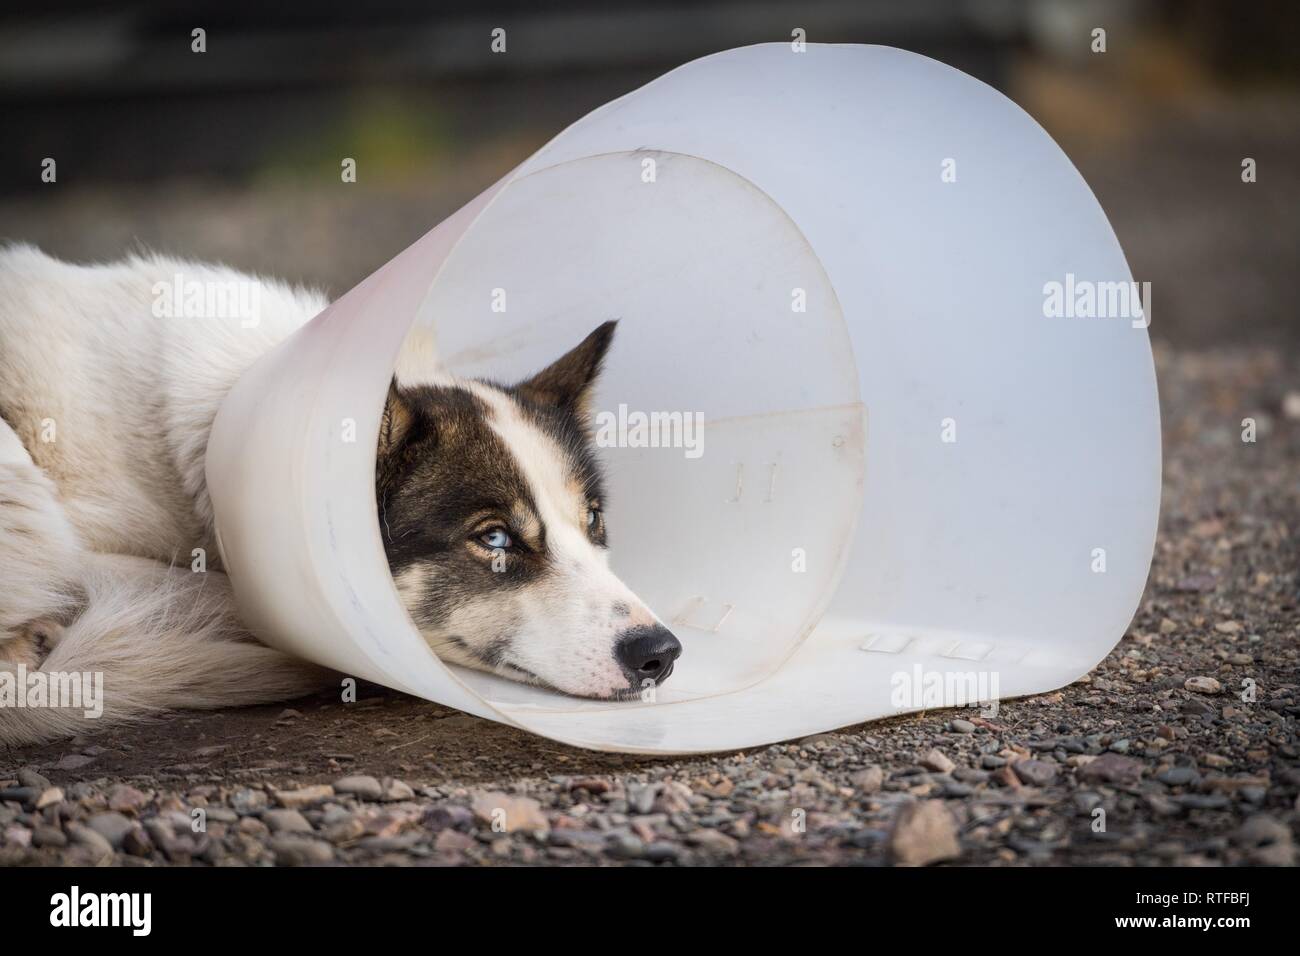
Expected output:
{"points": [[914, 488]]}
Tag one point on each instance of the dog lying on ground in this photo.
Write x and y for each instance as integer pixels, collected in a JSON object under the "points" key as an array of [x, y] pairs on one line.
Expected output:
{"points": [[488, 498]]}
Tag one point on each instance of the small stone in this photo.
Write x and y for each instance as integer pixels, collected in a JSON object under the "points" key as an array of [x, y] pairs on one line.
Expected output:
{"points": [[1203, 685], [1178, 776], [448, 816], [127, 799], [1034, 773], [1291, 405], [112, 826], [304, 796], [137, 842], [868, 780], [673, 797], [248, 801], [100, 849], [817, 739], [1112, 768], [960, 726], [992, 761], [49, 797], [286, 821], [345, 830], [625, 846], [452, 841], [924, 832], [509, 813], [936, 761], [46, 835], [1197, 582], [713, 841], [1201, 801], [396, 790], [1161, 805], [293, 850], [590, 840], [722, 788], [360, 786], [74, 762], [593, 785], [1267, 841], [1216, 761], [641, 797], [1006, 777], [661, 851], [28, 777], [396, 843], [162, 836], [249, 825]]}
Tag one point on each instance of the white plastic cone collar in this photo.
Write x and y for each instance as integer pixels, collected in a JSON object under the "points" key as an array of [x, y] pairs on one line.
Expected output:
{"points": [[698, 209]]}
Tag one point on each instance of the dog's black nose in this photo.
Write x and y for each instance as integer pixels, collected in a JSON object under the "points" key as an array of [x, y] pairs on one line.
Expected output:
{"points": [[647, 654]]}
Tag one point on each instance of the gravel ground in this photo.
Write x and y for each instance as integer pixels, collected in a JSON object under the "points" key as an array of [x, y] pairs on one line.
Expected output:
{"points": [[1154, 758]]}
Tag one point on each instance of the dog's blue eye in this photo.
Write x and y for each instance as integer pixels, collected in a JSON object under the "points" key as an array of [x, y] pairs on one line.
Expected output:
{"points": [[496, 538], [592, 517]]}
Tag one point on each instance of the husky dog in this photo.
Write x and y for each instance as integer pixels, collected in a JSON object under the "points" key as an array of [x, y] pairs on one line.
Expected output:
{"points": [[488, 498]]}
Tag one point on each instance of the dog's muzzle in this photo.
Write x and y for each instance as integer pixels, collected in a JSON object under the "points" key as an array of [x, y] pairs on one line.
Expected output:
{"points": [[646, 654]]}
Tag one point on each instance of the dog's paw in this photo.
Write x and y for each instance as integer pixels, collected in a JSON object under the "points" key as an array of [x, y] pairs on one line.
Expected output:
{"points": [[30, 643]]}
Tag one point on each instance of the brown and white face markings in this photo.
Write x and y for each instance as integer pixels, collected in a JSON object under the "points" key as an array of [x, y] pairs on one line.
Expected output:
{"points": [[490, 503]]}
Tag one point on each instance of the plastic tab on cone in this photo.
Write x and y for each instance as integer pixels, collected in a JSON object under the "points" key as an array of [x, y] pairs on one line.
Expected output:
{"points": [[917, 484]]}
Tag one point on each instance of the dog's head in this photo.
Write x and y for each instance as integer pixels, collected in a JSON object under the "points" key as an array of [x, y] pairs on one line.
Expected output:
{"points": [[491, 508]]}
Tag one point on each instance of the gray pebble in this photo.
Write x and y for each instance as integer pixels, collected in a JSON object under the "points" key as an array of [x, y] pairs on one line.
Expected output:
{"points": [[248, 801], [294, 850], [286, 821], [448, 816], [93, 841], [28, 777], [641, 797], [1034, 773], [112, 826], [660, 852], [360, 786], [626, 846], [45, 835], [1178, 776]]}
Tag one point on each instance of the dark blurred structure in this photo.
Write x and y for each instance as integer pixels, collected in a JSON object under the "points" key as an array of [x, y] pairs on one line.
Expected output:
{"points": [[234, 153]]}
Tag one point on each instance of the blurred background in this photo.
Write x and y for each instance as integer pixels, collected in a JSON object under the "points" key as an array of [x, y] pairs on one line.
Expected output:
{"points": [[234, 154]]}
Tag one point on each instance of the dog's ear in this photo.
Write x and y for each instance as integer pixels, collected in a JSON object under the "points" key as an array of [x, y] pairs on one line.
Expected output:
{"points": [[397, 422], [568, 381]]}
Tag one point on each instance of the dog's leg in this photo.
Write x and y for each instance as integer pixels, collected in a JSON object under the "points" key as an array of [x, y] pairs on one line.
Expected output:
{"points": [[40, 558], [158, 638], [155, 637]]}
